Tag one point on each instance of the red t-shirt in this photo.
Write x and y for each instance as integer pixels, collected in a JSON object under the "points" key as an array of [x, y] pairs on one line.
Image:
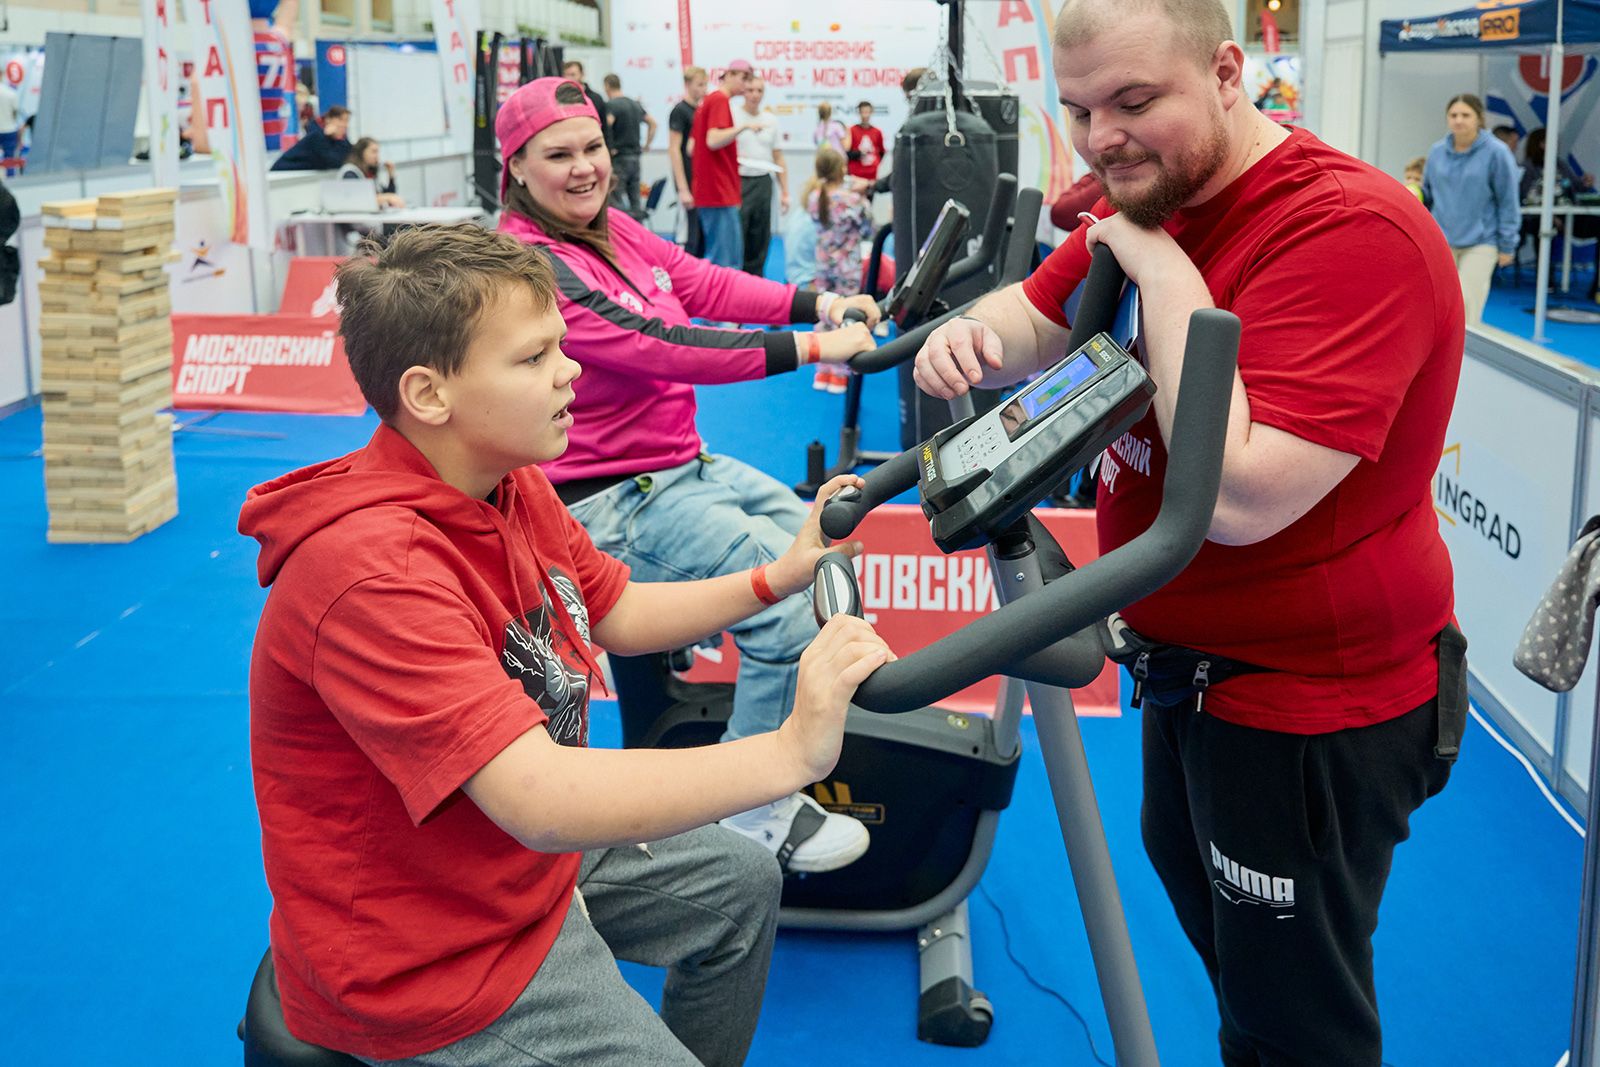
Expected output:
{"points": [[411, 634], [716, 170], [868, 140], [1353, 338]]}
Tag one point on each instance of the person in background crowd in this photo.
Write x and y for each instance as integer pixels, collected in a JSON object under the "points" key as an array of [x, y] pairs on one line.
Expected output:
{"points": [[1079, 197], [865, 145], [1509, 137], [1581, 227], [1414, 174], [363, 164], [574, 70], [758, 143], [10, 122], [323, 147], [1471, 180], [830, 131], [842, 210], [637, 474], [10, 257], [716, 167], [1533, 170], [680, 123], [623, 116]]}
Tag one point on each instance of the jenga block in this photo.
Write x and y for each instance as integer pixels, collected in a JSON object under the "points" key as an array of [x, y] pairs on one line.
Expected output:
{"points": [[135, 200]]}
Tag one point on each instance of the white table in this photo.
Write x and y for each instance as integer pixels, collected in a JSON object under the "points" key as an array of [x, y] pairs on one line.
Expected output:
{"points": [[1566, 212], [317, 231]]}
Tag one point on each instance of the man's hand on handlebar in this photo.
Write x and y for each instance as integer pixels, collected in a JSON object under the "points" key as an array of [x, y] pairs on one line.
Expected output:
{"points": [[837, 346], [860, 302], [793, 571], [953, 358], [843, 655]]}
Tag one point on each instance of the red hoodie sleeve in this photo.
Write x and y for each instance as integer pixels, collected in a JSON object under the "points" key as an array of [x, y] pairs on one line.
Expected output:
{"points": [[407, 668]]}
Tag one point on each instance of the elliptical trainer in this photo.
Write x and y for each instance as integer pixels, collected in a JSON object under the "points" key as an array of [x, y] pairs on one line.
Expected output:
{"points": [[978, 481]]}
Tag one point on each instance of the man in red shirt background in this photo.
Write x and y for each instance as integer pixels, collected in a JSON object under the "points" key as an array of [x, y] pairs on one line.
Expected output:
{"points": [[865, 145], [1281, 792], [715, 181]]}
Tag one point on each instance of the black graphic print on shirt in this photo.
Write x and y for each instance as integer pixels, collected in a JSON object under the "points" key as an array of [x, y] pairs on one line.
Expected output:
{"points": [[543, 658]]}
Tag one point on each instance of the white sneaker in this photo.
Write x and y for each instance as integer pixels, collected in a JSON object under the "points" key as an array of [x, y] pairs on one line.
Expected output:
{"points": [[802, 834]]}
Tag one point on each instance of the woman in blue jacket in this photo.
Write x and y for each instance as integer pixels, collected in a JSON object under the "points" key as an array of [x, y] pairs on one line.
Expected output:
{"points": [[1471, 178]]}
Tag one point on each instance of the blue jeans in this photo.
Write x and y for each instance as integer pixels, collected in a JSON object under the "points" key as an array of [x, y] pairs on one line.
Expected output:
{"points": [[713, 516], [724, 236]]}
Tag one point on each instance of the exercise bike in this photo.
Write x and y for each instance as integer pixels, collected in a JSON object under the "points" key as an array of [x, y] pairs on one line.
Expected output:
{"points": [[930, 785]]}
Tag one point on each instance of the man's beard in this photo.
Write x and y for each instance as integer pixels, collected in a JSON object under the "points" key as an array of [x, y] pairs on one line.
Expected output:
{"points": [[1173, 186]]}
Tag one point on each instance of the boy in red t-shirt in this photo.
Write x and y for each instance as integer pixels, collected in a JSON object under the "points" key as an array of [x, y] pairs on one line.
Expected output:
{"points": [[453, 871], [866, 145], [715, 182]]}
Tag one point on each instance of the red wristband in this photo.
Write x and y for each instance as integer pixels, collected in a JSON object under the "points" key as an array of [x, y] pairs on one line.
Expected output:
{"points": [[763, 591], [813, 348]]}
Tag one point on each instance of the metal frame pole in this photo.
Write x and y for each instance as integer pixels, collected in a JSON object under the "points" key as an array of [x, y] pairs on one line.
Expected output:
{"points": [[1067, 767]]}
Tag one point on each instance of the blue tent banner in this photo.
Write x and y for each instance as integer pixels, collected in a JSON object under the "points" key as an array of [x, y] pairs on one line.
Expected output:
{"points": [[1495, 26]]}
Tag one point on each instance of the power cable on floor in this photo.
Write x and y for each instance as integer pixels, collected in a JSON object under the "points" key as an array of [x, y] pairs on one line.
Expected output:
{"points": [[1005, 935]]}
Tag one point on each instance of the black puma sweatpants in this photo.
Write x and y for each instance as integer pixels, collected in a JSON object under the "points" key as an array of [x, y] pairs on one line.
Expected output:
{"points": [[1274, 849]]}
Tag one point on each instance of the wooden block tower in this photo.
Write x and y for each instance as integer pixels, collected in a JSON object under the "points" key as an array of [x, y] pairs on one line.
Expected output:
{"points": [[106, 329]]}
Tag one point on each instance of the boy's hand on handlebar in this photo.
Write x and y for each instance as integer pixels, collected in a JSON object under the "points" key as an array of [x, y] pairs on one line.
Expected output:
{"points": [[861, 302], [837, 346], [843, 655], [954, 356], [795, 570]]}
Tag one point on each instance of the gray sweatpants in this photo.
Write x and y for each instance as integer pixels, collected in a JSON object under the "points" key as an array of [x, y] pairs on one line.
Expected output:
{"points": [[704, 905]]}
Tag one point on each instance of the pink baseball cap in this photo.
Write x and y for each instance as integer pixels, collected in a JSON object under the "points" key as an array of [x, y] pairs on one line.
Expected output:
{"points": [[529, 110], [741, 64]]}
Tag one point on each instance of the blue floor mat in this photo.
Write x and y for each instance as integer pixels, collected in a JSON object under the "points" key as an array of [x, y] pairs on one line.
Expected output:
{"points": [[135, 901]]}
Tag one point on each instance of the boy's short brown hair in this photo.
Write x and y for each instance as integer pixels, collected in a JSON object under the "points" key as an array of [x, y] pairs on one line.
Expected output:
{"points": [[415, 301]]}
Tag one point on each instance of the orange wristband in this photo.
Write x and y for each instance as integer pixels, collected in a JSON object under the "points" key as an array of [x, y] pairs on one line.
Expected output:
{"points": [[763, 591]]}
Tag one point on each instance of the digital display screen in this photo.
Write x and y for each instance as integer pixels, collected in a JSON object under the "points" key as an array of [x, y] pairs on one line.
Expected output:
{"points": [[1045, 392], [1064, 380]]}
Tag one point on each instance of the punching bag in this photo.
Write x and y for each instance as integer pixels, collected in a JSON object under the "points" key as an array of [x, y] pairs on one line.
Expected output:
{"points": [[932, 165]]}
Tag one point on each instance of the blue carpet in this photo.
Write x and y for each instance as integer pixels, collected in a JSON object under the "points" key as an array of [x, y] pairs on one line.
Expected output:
{"points": [[1510, 308], [134, 909]]}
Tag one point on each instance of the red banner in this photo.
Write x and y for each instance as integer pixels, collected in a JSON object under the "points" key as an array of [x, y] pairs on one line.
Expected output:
{"points": [[292, 363], [914, 594], [309, 288]]}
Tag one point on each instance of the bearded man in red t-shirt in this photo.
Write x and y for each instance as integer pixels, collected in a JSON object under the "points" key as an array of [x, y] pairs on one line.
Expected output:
{"points": [[1282, 791]]}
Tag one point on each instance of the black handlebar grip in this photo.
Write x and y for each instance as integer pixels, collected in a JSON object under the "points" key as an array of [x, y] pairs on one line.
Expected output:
{"points": [[853, 315], [834, 590], [845, 509], [1102, 292]]}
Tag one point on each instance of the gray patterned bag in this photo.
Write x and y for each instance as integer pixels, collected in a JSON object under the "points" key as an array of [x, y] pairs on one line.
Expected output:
{"points": [[1555, 643]]}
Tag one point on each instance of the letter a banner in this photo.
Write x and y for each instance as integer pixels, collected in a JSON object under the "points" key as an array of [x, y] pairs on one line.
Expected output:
{"points": [[292, 363], [455, 27], [225, 58]]}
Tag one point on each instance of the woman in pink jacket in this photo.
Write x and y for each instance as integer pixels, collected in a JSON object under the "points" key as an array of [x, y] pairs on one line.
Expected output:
{"points": [[636, 474]]}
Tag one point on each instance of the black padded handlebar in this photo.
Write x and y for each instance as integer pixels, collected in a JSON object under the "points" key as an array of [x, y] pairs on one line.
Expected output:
{"points": [[1029, 203], [1102, 291], [994, 227], [845, 509]]}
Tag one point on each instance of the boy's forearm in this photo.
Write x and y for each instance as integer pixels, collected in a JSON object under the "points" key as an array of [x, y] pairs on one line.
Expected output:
{"points": [[657, 616], [564, 799]]}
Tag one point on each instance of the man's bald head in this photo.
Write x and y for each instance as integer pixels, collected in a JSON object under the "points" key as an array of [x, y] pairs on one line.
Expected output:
{"points": [[1198, 26]]}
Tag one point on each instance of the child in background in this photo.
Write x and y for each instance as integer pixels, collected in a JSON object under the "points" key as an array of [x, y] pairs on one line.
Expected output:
{"points": [[1414, 178], [843, 214]]}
